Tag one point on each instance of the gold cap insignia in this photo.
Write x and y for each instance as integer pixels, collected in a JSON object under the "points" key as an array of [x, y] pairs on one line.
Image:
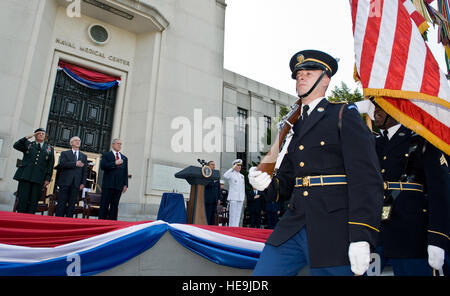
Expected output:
{"points": [[300, 59]]}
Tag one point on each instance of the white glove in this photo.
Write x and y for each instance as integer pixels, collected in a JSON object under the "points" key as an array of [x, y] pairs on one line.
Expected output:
{"points": [[359, 255], [258, 179], [435, 257]]}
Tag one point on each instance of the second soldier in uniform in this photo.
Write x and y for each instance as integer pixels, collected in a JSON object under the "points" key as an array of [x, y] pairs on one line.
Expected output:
{"points": [[414, 230]]}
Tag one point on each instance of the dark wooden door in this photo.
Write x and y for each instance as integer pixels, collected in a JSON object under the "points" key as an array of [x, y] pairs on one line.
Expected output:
{"points": [[77, 110]]}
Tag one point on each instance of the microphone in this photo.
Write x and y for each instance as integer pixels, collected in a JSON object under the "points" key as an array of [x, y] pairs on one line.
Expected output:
{"points": [[201, 161]]}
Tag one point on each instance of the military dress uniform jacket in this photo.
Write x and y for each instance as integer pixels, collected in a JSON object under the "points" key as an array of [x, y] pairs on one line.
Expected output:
{"points": [[336, 215], [417, 218], [37, 164]]}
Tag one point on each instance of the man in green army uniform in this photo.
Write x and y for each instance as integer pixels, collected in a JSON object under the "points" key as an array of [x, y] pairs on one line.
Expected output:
{"points": [[35, 171]]}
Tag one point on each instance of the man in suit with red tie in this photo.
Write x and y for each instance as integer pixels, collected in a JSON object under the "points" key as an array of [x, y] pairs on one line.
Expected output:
{"points": [[115, 180], [72, 178]]}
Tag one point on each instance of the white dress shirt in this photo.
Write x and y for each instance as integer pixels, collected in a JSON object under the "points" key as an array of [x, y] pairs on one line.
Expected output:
{"points": [[392, 130]]}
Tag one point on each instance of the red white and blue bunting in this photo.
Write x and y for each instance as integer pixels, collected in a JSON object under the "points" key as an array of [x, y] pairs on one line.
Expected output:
{"points": [[88, 78], [42, 245]]}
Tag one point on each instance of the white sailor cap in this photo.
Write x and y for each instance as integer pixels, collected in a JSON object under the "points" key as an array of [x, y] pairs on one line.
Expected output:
{"points": [[237, 161]]}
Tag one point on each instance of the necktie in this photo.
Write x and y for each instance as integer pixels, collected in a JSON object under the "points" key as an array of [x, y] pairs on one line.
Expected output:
{"points": [[305, 112], [117, 158], [385, 135], [39, 146], [75, 155]]}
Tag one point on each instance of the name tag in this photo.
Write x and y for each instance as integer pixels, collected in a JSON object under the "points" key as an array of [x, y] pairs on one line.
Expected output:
{"points": [[386, 213]]}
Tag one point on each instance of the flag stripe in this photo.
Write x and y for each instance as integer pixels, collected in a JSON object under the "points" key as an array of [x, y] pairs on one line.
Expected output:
{"points": [[384, 46], [429, 122], [436, 111], [431, 81], [354, 8], [409, 6], [416, 63], [370, 45], [444, 89], [399, 56], [360, 29]]}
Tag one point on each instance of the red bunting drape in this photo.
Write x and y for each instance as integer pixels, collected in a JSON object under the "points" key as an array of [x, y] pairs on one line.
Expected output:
{"points": [[88, 74], [49, 231]]}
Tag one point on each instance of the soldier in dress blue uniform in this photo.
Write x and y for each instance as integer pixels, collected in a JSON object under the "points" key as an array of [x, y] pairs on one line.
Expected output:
{"points": [[35, 171], [414, 229], [331, 176]]}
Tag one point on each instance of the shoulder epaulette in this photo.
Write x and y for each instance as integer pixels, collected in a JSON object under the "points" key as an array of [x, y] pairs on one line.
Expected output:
{"points": [[340, 102]]}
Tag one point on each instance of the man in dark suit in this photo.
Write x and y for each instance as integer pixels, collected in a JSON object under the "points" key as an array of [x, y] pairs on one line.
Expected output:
{"points": [[414, 229], [212, 195], [223, 194], [255, 204], [115, 180], [35, 171], [72, 178], [272, 209], [331, 176]]}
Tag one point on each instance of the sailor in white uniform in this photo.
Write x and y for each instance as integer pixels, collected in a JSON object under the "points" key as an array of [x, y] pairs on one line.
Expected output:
{"points": [[236, 192]]}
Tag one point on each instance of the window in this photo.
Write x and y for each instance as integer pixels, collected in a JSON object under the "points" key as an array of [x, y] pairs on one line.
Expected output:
{"points": [[268, 129], [241, 136]]}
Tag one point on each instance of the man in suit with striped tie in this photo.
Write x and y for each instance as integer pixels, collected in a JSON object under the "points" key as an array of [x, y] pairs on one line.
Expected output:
{"points": [[72, 179], [115, 180]]}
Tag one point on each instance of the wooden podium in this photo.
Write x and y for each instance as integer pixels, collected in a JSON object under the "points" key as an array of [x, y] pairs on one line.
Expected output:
{"points": [[197, 177]]}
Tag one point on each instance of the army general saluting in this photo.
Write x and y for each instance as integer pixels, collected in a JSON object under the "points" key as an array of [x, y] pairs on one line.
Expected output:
{"points": [[331, 176], [35, 171]]}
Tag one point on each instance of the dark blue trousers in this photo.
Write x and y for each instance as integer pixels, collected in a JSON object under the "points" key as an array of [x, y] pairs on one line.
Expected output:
{"points": [[446, 267], [109, 203], [291, 257], [406, 266]]}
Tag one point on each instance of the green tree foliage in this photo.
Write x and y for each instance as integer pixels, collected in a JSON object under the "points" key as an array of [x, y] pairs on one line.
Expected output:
{"points": [[345, 94]]}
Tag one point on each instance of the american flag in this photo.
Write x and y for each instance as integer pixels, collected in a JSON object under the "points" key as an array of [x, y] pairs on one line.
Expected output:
{"points": [[395, 65]]}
